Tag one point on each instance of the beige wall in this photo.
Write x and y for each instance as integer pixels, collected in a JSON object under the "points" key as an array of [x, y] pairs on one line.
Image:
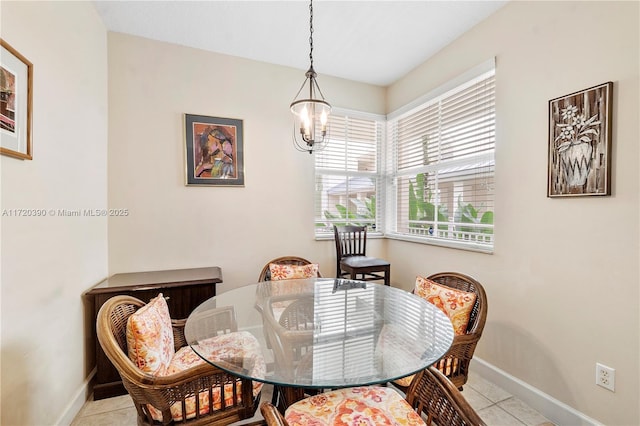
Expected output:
{"points": [[563, 281], [48, 262], [151, 86]]}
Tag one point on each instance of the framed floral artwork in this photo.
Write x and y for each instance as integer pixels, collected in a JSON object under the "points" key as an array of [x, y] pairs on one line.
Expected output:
{"points": [[16, 98], [580, 143], [214, 151]]}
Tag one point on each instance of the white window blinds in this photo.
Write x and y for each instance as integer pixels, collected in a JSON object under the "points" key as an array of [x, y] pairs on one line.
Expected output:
{"points": [[347, 173], [443, 168]]}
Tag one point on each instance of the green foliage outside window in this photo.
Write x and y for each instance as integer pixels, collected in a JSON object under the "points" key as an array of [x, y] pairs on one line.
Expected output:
{"points": [[348, 216], [422, 208], [467, 213]]}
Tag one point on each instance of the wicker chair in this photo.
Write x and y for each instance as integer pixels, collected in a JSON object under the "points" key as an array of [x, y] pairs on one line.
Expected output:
{"points": [[163, 392], [433, 394], [430, 393], [271, 415], [265, 274], [455, 363], [290, 336], [290, 332]]}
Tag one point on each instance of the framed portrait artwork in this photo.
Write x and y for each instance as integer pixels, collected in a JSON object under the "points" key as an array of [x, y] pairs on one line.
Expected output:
{"points": [[214, 151], [580, 143], [16, 97]]}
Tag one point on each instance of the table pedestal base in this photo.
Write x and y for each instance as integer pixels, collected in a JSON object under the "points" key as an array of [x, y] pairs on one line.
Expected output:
{"points": [[284, 396]]}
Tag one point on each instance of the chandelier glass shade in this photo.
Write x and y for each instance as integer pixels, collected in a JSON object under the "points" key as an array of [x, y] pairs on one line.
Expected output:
{"points": [[310, 110]]}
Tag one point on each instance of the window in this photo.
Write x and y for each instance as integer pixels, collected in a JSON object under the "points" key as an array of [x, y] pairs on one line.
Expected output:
{"points": [[442, 168], [348, 173]]}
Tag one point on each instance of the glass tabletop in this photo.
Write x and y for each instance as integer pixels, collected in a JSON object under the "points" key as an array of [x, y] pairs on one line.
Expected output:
{"points": [[326, 333]]}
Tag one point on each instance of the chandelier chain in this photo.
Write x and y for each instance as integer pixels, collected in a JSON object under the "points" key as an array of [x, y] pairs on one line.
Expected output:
{"points": [[311, 32], [310, 124]]}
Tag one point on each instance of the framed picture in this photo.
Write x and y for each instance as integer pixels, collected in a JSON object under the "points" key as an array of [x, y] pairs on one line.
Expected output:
{"points": [[580, 143], [16, 98], [214, 151]]}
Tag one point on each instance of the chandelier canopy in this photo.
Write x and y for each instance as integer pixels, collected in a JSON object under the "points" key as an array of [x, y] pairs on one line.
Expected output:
{"points": [[310, 129]]}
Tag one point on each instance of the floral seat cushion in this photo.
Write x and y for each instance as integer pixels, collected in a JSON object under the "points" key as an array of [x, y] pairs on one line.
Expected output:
{"points": [[447, 366], [390, 339], [236, 345], [405, 381], [369, 405], [396, 348]]}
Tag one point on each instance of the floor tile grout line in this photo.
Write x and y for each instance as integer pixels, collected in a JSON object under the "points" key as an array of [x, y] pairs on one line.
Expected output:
{"points": [[497, 403]]}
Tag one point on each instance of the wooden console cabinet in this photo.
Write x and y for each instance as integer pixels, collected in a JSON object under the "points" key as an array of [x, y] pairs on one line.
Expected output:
{"points": [[185, 289]]}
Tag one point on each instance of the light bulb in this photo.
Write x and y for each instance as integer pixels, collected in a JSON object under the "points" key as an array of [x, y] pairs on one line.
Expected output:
{"points": [[306, 124]]}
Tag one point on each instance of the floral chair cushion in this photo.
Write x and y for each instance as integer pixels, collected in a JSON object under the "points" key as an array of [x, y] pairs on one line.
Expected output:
{"points": [[395, 339], [232, 345], [447, 366], [292, 272], [150, 337], [405, 381], [353, 406], [456, 304]]}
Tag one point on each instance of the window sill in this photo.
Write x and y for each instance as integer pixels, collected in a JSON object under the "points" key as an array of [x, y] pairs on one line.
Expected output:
{"points": [[370, 236], [459, 245]]}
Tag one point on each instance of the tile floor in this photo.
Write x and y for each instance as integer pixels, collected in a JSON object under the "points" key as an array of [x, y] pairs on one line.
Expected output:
{"points": [[493, 404]]}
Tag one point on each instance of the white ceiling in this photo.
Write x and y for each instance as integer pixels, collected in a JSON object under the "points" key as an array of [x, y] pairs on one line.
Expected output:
{"points": [[374, 42]]}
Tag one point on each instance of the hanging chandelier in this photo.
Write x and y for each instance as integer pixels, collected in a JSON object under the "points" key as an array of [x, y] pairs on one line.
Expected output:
{"points": [[310, 130]]}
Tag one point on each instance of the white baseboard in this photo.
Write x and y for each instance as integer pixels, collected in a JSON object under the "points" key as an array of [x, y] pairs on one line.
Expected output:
{"points": [[556, 411], [74, 407]]}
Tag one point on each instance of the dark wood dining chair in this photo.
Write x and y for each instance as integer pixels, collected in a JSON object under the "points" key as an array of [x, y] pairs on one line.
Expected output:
{"points": [[351, 256], [431, 393]]}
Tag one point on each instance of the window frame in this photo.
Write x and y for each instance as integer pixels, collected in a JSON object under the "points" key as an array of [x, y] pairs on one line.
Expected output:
{"points": [[393, 173], [387, 172]]}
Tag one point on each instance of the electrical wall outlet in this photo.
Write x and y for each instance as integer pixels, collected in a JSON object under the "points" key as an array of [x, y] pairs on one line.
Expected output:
{"points": [[606, 377]]}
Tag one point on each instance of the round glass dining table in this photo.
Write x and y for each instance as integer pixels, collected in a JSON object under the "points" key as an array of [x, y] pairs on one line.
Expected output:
{"points": [[326, 332]]}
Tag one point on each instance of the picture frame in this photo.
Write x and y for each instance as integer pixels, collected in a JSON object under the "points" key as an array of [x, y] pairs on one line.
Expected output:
{"points": [[214, 151], [16, 103], [580, 143]]}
